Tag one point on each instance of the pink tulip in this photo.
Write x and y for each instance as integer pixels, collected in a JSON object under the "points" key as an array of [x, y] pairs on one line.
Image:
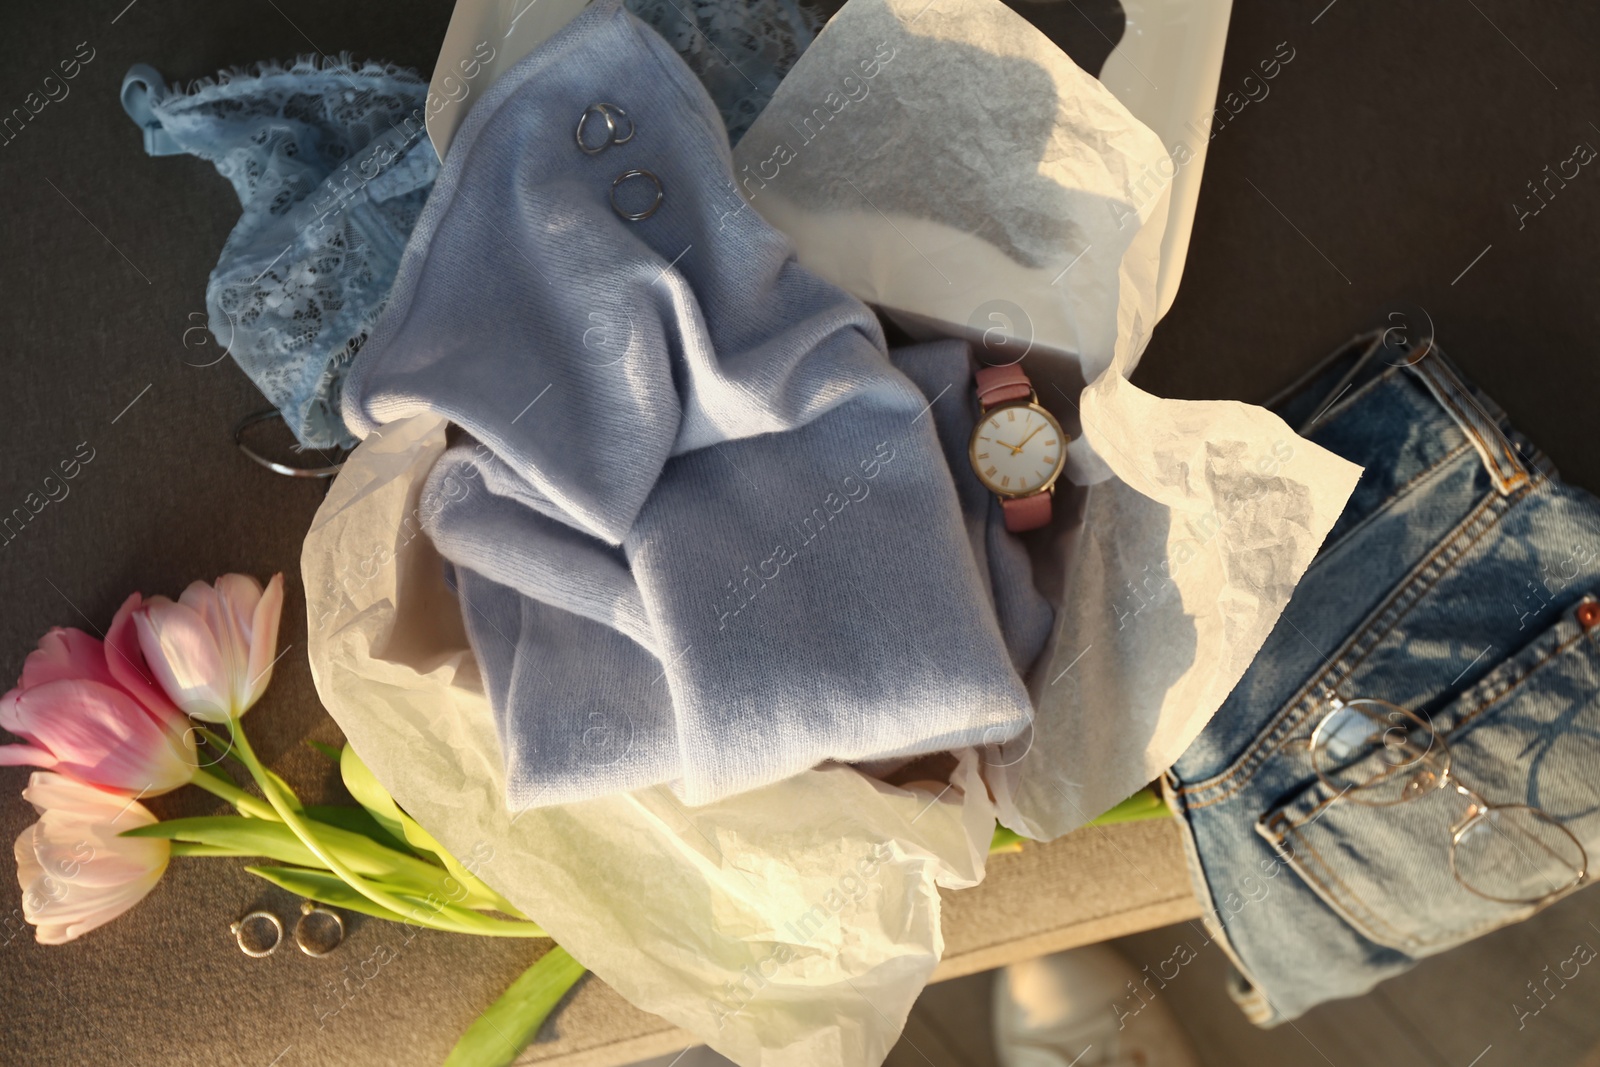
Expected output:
{"points": [[76, 872], [78, 719], [64, 653], [212, 651], [126, 661]]}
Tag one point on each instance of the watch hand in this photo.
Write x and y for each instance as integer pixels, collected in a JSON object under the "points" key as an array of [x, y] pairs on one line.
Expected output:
{"points": [[1014, 448], [1025, 440]]}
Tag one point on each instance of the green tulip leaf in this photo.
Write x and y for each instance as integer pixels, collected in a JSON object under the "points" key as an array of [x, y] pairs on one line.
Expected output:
{"points": [[240, 835], [370, 794], [510, 1024], [274, 840], [324, 888], [190, 848], [1005, 840], [357, 821], [1145, 804], [427, 911], [324, 748]]}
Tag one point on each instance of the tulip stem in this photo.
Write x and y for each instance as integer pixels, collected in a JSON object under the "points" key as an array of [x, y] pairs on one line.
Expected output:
{"points": [[215, 738], [223, 746], [444, 917], [247, 804]]}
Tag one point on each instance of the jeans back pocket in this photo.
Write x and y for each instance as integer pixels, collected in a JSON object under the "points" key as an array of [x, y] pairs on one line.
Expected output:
{"points": [[1528, 733]]}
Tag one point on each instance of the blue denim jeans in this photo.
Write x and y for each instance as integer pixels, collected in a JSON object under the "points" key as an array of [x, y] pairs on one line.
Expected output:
{"points": [[1459, 583]]}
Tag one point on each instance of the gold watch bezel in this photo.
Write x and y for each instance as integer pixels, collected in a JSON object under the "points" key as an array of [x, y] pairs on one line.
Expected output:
{"points": [[1032, 404]]}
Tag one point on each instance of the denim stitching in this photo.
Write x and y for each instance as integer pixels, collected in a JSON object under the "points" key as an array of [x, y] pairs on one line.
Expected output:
{"points": [[1504, 482], [1394, 497], [1449, 938], [1348, 913], [1453, 455], [1516, 681], [1509, 686], [1354, 905], [1438, 566], [1211, 917], [1292, 856]]}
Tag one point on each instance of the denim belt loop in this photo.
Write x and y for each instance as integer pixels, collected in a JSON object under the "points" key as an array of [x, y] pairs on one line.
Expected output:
{"points": [[1499, 455]]}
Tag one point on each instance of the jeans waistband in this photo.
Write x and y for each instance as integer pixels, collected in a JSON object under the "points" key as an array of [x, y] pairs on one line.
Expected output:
{"points": [[1331, 388]]}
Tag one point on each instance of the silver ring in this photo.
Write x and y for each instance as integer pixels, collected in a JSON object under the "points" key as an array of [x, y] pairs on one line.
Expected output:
{"points": [[326, 917], [256, 918], [637, 216], [605, 111], [611, 129], [272, 465], [614, 109]]}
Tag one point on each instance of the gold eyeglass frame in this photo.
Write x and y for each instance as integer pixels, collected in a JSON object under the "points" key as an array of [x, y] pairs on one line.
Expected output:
{"points": [[1437, 751]]}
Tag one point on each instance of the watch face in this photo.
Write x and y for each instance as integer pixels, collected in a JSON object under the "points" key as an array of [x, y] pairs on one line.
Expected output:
{"points": [[1018, 450]]}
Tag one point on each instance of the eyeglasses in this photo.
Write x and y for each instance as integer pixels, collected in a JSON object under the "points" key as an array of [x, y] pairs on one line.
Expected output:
{"points": [[1379, 754]]}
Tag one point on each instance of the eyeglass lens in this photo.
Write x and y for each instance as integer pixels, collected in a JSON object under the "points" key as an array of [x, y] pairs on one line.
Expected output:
{"points": [[1376, 753], [1517, 854]]}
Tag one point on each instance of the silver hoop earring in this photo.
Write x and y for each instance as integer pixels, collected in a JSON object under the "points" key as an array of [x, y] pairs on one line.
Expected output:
{"points": [[637, 216], [258, 933], [319, 930]]}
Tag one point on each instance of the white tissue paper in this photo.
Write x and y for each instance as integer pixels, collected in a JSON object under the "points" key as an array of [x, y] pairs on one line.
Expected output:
{"points": [[795, 925]]}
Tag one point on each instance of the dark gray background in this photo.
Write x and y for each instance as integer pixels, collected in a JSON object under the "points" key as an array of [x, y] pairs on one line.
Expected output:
{"points": [[1391, 149]]}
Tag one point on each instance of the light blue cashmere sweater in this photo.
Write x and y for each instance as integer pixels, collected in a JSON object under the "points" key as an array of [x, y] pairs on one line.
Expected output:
{"points": [[703, 530]]}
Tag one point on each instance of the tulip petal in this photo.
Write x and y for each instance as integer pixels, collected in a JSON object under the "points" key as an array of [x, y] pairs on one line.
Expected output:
{"points": [[80, 909], [101, 735], [90, 854], [126, 661], [205, 601], [212, 652], [65, 653], [201, 598], [237, 597], [25, 756], [48, 790], [28, 868], [183, 655], [53, 933], [264, 639], [10, 716]]}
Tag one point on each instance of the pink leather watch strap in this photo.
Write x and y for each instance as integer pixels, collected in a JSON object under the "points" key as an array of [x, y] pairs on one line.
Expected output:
{"points": [[1024, 513], [996, 385]]}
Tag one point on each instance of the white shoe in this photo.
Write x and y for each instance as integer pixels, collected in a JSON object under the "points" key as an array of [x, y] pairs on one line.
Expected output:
{"points": [[1088, 1007]]}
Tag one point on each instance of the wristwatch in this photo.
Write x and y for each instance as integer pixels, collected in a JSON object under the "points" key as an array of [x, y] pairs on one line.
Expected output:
{"points": [[1018, 448]]}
